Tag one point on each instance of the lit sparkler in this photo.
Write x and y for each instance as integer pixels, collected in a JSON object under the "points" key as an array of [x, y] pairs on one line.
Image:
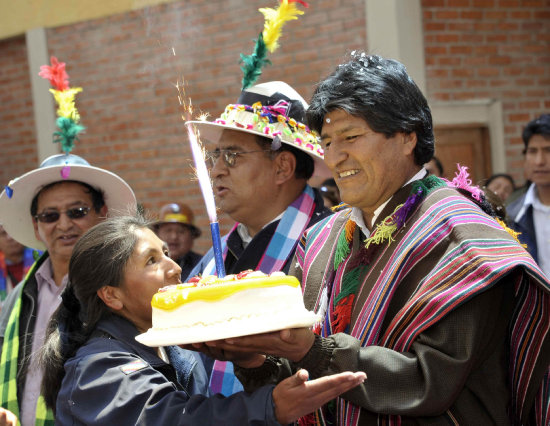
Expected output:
{"points": [[204, 178]]}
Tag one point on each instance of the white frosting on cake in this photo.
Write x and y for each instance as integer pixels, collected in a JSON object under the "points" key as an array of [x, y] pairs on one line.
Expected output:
{"points": [[250, 303], [213, 308]]}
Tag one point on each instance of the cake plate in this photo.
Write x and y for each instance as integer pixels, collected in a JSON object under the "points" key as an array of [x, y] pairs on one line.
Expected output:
{"points": [[227, 329]]}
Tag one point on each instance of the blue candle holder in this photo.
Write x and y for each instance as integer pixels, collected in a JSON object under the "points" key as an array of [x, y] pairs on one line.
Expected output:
{"points": [[217, 245]]}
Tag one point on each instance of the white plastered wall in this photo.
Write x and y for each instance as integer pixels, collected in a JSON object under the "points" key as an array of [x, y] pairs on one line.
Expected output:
{"points": [[43, 101]]}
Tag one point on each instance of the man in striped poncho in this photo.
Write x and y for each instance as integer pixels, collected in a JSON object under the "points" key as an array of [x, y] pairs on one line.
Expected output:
{"points": [[415, 282]]}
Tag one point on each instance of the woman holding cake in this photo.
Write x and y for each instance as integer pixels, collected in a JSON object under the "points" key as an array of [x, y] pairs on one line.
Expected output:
{"points": [[95, 372]]}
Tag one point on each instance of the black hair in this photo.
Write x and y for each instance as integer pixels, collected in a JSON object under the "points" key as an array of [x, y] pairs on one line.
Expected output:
{"points": [[329, 182], [305, 165], [503, 175], [98, 198], [496, 203], [329, 190], [99, 258], [380, 92], [438, 164], [538, 126]]}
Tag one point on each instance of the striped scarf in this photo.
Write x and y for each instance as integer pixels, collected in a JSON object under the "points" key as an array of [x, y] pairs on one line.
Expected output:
{"points": [[456, 278], [292, 225], [28, 260], [9, 362]]}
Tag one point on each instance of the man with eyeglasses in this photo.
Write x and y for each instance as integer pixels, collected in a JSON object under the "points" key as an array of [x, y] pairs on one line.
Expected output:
{"points": [[47, 209], [261, 157]]}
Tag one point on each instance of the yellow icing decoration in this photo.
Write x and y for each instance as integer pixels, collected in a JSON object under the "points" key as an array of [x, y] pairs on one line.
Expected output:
{"points": [[215, 291]]}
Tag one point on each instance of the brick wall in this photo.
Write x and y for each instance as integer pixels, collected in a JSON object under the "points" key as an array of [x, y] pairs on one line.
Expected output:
{"points": [[17, 130], [497, 49], [127, 65]]}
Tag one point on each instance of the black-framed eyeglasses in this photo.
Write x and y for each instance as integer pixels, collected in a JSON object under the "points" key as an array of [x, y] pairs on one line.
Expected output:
{"points": [[53, 215], [229, 157]]}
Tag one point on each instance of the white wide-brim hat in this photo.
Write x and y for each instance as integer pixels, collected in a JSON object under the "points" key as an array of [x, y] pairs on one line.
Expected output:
{"points": [[273, 110], [16, 198]]}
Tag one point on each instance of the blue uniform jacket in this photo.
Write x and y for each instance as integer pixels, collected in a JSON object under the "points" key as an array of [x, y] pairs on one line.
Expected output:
{"points": [[115, 380]]}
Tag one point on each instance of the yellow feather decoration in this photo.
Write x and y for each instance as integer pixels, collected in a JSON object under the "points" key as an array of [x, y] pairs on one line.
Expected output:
{"points": [[274, 21], [513, 233], [384, 230], [65, 102]]}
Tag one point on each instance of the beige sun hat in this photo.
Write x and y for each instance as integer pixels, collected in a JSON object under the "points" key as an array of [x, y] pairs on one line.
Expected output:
{"points": [[16, 198]]}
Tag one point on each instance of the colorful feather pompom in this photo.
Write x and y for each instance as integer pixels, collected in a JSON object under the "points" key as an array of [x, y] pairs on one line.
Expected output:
{"points": [[274, 21], [56, 74], [252, 64], [268, 39], [68, 116], [65, 101], [462, 181], [513, 233], [67, 134]]}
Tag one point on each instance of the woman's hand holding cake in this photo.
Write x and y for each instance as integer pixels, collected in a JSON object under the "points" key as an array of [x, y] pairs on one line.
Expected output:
{"points": [[245, 359]]}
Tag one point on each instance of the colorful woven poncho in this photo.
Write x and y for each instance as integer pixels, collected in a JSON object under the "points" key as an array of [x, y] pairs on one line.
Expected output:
{"points": [[464, 270]]}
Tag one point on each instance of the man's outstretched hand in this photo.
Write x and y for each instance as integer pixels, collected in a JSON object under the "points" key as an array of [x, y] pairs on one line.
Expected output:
{"points": [[296, 396]]}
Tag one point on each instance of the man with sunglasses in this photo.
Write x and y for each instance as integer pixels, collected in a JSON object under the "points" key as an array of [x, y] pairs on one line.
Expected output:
{"points": [[47, 209], [261, 157]]}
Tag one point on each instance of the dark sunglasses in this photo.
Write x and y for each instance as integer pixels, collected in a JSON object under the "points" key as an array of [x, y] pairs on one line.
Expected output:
{"points": [[53, 216]]}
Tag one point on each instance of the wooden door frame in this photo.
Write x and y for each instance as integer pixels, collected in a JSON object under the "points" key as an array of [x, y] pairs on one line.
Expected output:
{"points": [[483, 112], [464, 137]]}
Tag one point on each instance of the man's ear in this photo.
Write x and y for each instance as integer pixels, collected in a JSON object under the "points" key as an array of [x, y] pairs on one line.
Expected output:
{"points": [[111, 297], [35, 226], [409, 142], [103, 211], [285, 164]]}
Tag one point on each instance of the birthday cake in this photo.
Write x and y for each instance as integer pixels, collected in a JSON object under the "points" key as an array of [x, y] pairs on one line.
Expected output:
{"points": [[211, 308]]}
